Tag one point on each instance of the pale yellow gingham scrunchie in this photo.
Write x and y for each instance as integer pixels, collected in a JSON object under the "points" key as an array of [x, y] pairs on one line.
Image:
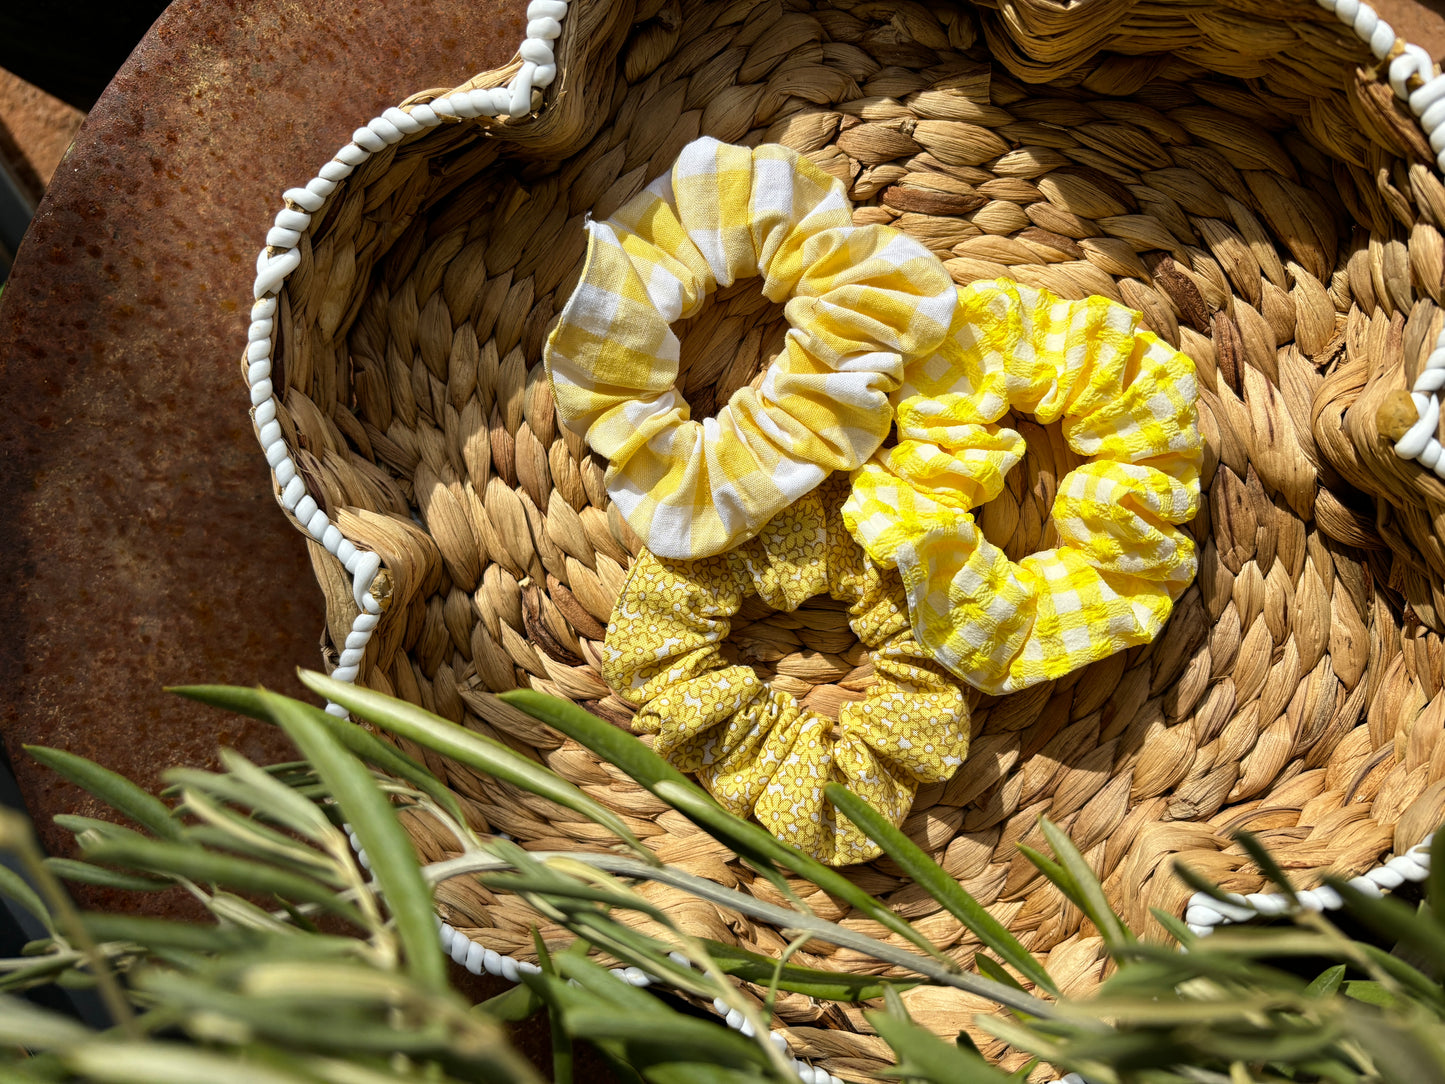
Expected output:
{"points": [[755, 748], [1126, 398], [861, 300]]}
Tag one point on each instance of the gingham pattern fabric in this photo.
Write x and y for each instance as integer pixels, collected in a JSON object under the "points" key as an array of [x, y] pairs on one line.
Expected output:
{"points": [[1126, 398], [756, 748], [861, 299]]}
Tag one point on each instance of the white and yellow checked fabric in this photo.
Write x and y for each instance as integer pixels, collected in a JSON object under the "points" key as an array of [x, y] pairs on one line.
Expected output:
{"points": [[756, 748], [1126, 398], [861, 300]]}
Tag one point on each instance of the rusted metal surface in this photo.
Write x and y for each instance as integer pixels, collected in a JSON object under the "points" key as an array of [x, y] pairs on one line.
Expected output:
{"points": [[141, 545]]}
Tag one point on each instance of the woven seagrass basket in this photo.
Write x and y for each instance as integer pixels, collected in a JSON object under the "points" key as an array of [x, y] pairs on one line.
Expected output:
{"points": [[1241, 172]]}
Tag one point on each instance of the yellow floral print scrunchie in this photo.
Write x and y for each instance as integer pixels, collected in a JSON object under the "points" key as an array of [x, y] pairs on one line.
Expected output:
{"points": [[1126, 398], [861, 300], [756, 748]]}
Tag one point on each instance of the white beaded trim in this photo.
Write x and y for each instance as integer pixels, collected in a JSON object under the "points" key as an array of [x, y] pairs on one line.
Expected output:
{"points": [[280, 257], [539, 70], [1427, 102], [1204, 912]]}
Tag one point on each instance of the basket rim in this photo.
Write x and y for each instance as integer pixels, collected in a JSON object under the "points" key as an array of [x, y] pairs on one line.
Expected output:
{"points": [[518, 91]]}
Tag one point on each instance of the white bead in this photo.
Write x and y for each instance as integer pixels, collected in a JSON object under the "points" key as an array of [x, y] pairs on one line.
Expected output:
{"points": [[1382, 40], [279, 237], [270, 434], [260, 330], [1409, 867], [1269, 904], [352, 154], [510, 971], [735, 1018], [745, 1029], [259, 370], [780, 1040], [288, 219], [369, 139], [346, 553], [1413, 62], [521, 89], [492, 961], [544, 29], [425, 115], [443, 107], [1199, 915], [274, 273], [546, 9], [1431, 454], [264, 309], [275, 453], [720, 1006], [446, 933], [365, 622], [292, 493], [636, 976], [336, 710], [545, 75], [679, 959], [1346, 9], [536, 51], [1365, 886], [1424, 96], [331, 539], [306, 508], [285, 471], [320, 186], [527, 968], [260, 392], [304, 198], [401, 120], [387, 132], [1309, 901], [469, 104], [336, 169], [1329, 899], [317, 524], [1198, 930], [346, 674], [258, 351], [1432, 117], [460, 946], [474, 958]]}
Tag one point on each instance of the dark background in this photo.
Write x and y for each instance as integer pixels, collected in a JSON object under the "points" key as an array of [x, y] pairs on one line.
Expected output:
{"points": [[72, 50]]}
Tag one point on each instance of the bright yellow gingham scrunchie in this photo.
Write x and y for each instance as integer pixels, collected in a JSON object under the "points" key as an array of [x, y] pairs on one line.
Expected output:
{"points": [[1126, 398], [755, 748], [861, 300]]}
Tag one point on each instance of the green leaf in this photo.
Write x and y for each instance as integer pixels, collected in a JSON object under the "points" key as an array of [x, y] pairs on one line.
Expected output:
{"points": [[825, 985], [1093, 902], [157, 933], [476, 751], [749, 840], [923, 1055], [114, 1062], [25, 1024], [71, 869], [1370, 993], [193, 863], [1266, 863], [991, 968], [14, 887], [360, 741], [114, 790], [519, 1003], [1391, 918], [77, 825], [1435, 884], [1054, 873], [701, 1039], [1327, 982], [1175, 927], [380, 833], [930, 876]]}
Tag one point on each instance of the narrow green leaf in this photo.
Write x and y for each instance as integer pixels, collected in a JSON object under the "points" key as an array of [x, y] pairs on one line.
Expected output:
{"points": [[114, 790], [1327, 982], [1054, 873], [388, 847], [77, 825], [930, 876], [1370, 992], [25, 1024], [157, 933], [518, 1003], [1266, 863], [662, 779], [701, 1039], [990, 968], [753, 967], [360, 741], [1095, 904], [1200, 883], [13, 886], [477, 751], [71, 869], [193, 863], [153, 1062], [1175, 927], [1391, 918], [924, 1056]]}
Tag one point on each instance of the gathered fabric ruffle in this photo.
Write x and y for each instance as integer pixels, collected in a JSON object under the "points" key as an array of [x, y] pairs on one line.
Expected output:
{"points": [[1126, 398], [860, 300], [755, 748]]}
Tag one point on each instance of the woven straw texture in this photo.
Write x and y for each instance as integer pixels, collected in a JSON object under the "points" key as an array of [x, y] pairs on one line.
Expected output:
{"points": [[1236, 171]]}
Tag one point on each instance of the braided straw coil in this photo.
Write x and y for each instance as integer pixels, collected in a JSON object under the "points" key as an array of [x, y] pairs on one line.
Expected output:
{"points": [[1240, 172]]}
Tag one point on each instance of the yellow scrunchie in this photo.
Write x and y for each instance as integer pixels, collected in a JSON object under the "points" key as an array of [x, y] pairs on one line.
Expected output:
{"points": [[1126, 398], [755, 748], [862, 299]]}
